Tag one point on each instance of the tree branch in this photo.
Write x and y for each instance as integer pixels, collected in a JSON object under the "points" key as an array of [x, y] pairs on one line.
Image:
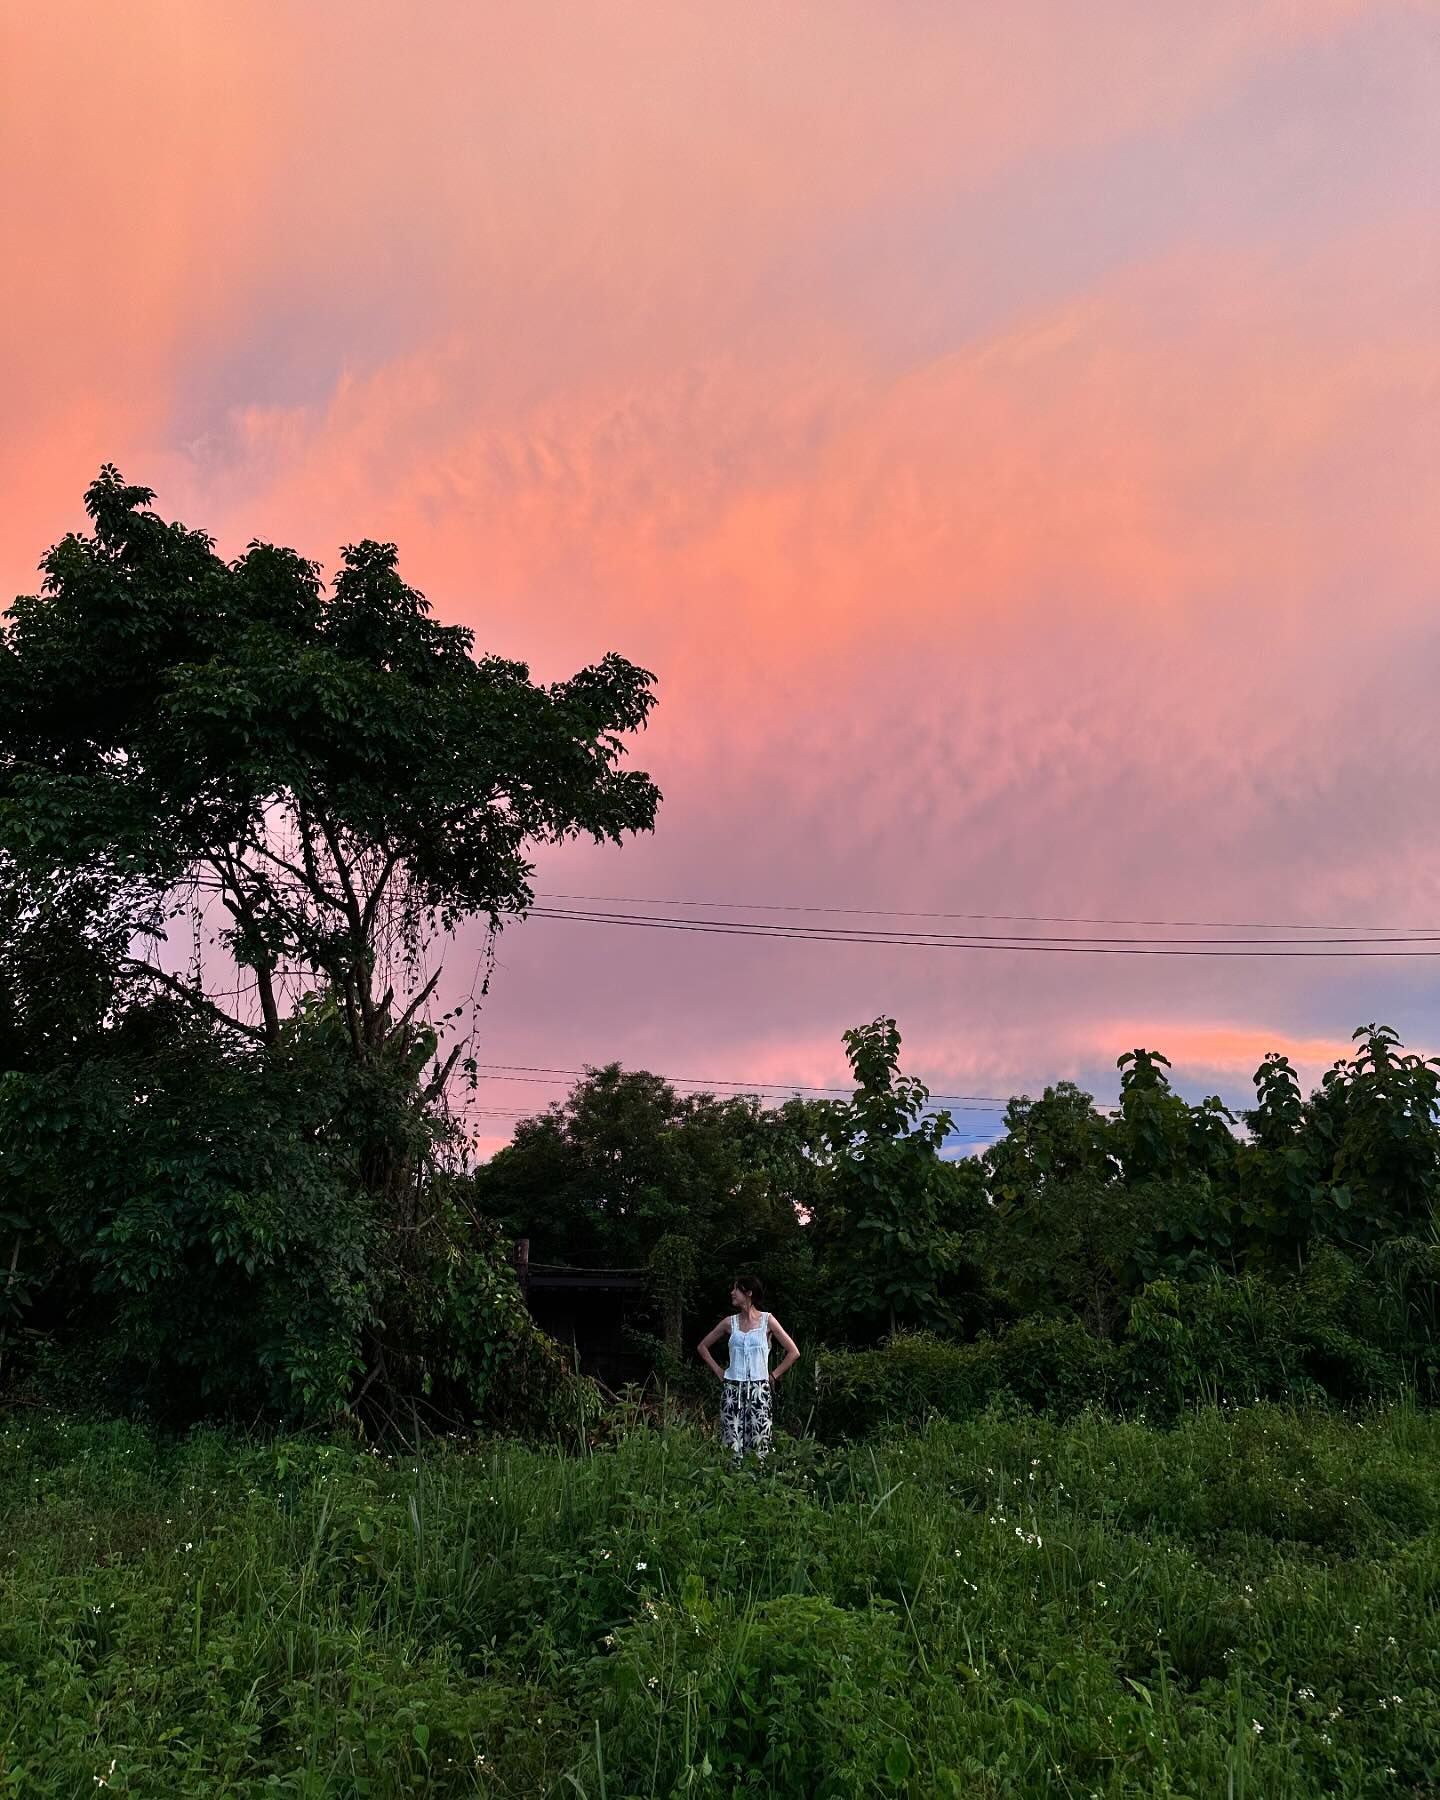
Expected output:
{"points": [[372, 903], [308, 879], [437, 1082], [415, 1005], [241, 910], [201, 1002], [357, 924]]}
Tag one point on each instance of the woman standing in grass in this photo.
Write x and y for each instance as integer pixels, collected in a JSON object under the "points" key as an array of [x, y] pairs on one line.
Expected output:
{"points": [[747, 1382]]}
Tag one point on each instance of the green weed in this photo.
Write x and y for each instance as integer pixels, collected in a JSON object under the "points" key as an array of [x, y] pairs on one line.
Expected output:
{"points": [[1246, 1604]]}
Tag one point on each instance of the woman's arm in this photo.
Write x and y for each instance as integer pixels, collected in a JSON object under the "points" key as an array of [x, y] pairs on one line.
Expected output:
{"points": [[787, 1344], [713, 1337]]}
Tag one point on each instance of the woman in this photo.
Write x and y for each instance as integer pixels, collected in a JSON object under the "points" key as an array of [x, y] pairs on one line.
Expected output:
{"points": [[748, 1380]]}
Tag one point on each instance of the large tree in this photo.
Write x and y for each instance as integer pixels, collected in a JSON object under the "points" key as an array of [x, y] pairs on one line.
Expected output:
{"points": [[340, 776], [267, 803]]}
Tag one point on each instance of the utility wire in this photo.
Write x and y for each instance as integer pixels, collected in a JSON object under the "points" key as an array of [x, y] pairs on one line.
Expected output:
{"points": [[944, 941], [531, 1074], [888, 912]]}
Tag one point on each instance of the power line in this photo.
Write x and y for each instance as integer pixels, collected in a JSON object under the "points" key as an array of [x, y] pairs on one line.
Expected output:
{"points": [[514, 1115], [945, 941], [888, 912], [532, 1074]]}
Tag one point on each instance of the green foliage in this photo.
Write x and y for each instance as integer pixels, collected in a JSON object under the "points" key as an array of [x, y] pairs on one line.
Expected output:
{"points": [[170, 716], [629, 1174], [1004, 1606], [457, 1341], [888, 1224], [1062, 1229], [1049, 1365], [194, 1227], [1357, 1164], [1332, 1335], [1086, 1209], [215, 1169], [781, 1696]]}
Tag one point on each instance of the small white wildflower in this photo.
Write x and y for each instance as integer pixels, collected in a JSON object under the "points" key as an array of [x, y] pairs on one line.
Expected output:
{"points": [[642, 1565], [653, 1681], [1256, 1727], [1307, 1693]]}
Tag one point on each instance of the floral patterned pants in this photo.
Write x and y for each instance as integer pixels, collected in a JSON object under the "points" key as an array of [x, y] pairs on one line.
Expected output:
{"points": [[745, 1418]]}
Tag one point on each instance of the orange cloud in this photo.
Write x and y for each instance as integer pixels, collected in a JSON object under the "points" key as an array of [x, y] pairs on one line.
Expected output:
{"points": [[1198, 1051]]}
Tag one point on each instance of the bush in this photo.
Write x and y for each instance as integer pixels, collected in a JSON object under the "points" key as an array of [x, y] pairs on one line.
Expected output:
{"points": [[1324, 1336], [1046, 1365], [794, 1694]]}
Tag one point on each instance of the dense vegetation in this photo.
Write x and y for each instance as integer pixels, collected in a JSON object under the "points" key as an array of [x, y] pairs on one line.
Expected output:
{"points": [[1248, 1604], [1154, 1255], [239, 818], [230, 1177], [1045, 1519]]}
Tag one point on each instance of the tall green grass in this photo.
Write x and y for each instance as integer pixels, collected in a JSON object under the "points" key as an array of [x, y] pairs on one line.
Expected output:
{"points": [[1243, 1606]]}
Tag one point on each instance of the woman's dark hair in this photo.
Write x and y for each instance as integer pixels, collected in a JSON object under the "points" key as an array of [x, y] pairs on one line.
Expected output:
{"points": [[751, 1285]]}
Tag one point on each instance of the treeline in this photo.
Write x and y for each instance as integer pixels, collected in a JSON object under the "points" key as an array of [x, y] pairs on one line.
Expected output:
{"points": [[1160, 1252], [242, 813]]}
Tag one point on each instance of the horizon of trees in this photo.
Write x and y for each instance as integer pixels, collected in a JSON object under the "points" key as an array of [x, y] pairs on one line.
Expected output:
{"points": [[861, 1226], [247, 1193]]}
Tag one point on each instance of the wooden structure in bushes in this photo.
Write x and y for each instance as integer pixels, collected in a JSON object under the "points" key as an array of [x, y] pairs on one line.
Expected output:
{"points": [[590, 1311]]}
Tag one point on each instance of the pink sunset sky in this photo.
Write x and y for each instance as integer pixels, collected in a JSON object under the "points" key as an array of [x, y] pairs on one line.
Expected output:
{"points": [[1011, 434]]}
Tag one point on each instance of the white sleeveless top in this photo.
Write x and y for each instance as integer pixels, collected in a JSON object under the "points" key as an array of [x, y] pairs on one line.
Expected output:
{"points": [[749, 1350]]}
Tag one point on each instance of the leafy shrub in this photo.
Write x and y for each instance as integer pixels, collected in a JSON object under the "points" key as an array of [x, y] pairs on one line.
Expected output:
{"points": [[791, 1695], [1047, 1365], [1054, 1365], [1325, 1336], [456, 1332]]}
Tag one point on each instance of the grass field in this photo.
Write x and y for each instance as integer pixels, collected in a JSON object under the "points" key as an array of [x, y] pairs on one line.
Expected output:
{"points": [[1245, 1605]]}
